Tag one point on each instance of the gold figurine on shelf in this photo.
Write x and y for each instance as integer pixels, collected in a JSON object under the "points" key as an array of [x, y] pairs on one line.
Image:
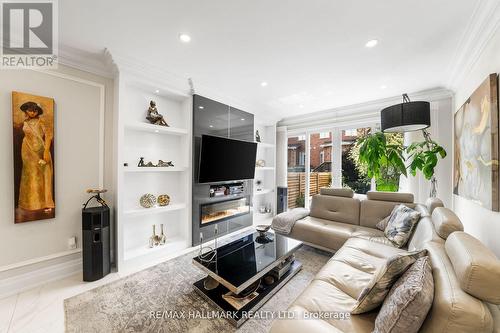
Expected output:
{"points": [[154, 116]]}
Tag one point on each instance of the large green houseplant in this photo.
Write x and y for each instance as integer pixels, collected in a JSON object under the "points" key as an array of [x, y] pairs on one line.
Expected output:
{"points": [[380, 157]]}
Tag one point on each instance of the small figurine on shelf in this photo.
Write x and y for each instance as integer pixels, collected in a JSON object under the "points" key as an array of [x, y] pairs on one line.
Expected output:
{"points": [[165, 164], [155, 239], [257, 136], [141, 163], [154, 116]]}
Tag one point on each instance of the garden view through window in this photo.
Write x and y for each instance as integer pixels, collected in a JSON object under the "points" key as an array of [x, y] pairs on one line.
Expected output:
{"points": [[321, 155]]}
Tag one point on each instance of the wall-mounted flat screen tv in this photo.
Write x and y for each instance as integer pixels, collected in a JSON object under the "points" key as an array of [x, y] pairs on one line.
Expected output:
{"points": [[223, 159]]}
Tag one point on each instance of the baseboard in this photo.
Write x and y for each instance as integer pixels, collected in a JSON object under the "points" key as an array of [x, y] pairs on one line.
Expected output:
{"points": [[26, 277]]}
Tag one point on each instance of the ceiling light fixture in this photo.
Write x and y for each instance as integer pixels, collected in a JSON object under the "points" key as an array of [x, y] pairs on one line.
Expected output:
{"points": [[211, 126], [201, 107], [157, 91], [185, 38], [242, 119], [263, 84], [371, 43]]}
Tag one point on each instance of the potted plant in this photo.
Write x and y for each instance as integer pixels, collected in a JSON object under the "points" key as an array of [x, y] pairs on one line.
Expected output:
{"points": [[385, 160]]}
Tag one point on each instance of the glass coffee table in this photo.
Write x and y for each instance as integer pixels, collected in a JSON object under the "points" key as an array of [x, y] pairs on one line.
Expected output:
{"points": [[243, 274]]}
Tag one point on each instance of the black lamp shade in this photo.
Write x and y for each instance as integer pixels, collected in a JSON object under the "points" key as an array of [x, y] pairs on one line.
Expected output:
{"points": [[406, 117]]}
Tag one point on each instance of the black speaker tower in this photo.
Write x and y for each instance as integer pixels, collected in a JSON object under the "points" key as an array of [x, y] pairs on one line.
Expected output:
{"points": [[96, 240]]}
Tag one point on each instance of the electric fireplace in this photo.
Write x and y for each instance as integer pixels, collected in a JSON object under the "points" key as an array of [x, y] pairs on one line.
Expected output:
{"points": [[222, 210]]}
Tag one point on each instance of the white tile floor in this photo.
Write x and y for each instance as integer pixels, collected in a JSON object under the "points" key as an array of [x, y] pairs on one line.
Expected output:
{"points": [[41, 310]]}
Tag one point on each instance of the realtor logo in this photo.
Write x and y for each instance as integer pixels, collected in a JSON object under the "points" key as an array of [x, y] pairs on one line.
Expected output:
{"points": [[29, 34]]}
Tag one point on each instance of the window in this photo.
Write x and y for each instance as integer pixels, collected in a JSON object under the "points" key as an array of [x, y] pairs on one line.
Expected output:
{"points": [[296, 171], [353, 175], [320, 161]]}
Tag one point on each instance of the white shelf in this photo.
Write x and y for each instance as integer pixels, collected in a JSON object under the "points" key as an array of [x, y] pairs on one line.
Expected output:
{"points": [[172, 244], [154, 210], [154, 169], [263, 191], [144, 127], [264, 168], [265, 145]]}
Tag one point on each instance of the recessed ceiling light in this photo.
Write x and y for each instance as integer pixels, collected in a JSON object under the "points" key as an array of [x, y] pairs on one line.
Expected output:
{"points": [[263, 84], [371, 43], [156, 131], [185, 38], [201, 107], [211, 126], [242, 119], [157, 91], [383, 86]]}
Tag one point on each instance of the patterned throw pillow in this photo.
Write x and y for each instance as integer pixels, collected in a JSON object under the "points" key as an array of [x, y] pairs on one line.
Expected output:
{"points": [[373, 295], [383, 223], [405, 307], [400, 225]]}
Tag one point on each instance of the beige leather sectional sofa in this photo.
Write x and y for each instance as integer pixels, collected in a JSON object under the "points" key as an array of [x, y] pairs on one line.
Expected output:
{"points": [[466, 274]]}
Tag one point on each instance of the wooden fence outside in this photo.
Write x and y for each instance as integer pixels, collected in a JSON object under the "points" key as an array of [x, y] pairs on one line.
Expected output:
{"points": [[297, 185]]}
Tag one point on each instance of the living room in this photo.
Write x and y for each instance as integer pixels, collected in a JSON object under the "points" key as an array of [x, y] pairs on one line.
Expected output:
{"points": [[192, 166]]}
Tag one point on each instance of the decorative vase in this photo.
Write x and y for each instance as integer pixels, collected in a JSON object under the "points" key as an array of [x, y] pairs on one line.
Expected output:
{"points": [[163, 238], [152, 239], [147, 200], [163, 200]]}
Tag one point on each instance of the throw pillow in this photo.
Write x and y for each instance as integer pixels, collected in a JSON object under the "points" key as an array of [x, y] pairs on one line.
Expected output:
{"points": [[383, 223], [373, 295], [400, 225], [405, 307]]}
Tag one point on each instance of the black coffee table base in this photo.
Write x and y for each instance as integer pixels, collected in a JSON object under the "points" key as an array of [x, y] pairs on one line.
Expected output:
{"points": [[265, 292]]}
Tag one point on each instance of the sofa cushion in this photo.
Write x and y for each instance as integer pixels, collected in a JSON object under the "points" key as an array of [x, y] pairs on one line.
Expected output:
{"points": [[446, 222], [337, 209], [424, 232], [373, 295], [433, 203], [453, 310], [324, 233], [373, 211], [476, 267], [409, 300], [390, 196], [337, 192], [401, 224], [372, 235]]}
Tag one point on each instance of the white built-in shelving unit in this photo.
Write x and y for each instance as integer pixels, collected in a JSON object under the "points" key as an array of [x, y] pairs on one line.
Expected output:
{"points": [[136, 138], [265, 193]]}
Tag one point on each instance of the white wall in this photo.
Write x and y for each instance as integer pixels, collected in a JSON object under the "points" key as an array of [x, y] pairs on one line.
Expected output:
{"points": [[78, 165], [441, 131], [482, 223]]}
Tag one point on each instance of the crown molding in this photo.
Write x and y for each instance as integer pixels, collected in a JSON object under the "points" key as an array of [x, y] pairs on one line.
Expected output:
{"points": [[483, 24], [359, 113], [159, 76], [94, 63]]}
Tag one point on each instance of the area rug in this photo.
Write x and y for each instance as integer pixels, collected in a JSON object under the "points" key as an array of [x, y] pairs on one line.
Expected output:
{"points": [[125, 305]]}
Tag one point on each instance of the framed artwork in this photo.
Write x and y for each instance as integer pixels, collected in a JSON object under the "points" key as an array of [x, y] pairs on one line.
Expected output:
{"points": [[476, 167], [33, 129]]}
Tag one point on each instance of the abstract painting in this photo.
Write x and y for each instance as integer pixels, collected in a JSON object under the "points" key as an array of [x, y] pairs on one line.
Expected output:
{"points": [[33, 129], [476, 146]]}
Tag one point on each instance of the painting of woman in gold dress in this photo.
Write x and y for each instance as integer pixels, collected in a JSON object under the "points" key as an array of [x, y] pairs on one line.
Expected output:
{"points": [[33, 118]]}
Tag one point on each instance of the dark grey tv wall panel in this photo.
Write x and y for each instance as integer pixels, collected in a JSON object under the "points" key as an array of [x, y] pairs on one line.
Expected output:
{"points": [[214, 118]]}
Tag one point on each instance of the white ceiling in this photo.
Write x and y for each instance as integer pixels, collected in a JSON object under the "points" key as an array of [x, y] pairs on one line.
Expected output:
{"points": [[311, 53]]}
